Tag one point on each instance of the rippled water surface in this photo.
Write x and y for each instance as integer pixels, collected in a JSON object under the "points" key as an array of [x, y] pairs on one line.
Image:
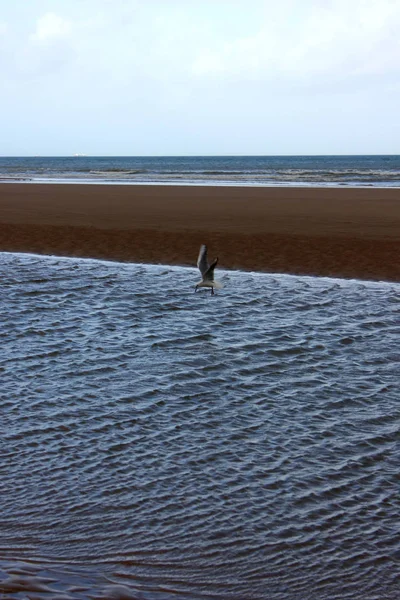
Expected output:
{"points": [[162, 444]]}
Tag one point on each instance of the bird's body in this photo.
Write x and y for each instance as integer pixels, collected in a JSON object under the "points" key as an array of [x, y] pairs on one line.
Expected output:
{"points": [[207, 271]]}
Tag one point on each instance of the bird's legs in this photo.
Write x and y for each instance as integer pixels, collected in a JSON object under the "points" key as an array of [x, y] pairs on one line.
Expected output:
{"points": [[212, 291]]}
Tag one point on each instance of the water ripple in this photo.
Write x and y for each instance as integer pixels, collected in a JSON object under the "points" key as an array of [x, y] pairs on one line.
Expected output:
{"points": [[162, 444]]}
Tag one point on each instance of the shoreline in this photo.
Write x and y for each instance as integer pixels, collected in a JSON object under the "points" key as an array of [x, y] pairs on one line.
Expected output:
{"points": [[193, 267], [297, 185], [324, 231]]}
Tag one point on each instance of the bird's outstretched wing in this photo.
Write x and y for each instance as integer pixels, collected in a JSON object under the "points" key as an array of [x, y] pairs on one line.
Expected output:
{"points": [[202, 261], [209, 273]]}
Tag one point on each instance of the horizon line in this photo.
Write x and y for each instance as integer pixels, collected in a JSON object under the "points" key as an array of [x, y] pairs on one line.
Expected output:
{"points": [[83, 155]]}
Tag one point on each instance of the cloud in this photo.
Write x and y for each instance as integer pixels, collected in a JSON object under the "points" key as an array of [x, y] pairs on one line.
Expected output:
{"points": [[51, 27], [186, 75], [43, 53], [338, 39], [281, 43]]}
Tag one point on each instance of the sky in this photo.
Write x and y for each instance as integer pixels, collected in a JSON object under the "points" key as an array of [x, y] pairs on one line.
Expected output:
{"points": [[199, 77]]}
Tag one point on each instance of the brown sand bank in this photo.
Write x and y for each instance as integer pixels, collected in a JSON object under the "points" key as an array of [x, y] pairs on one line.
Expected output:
{"points": [[351, 232]]}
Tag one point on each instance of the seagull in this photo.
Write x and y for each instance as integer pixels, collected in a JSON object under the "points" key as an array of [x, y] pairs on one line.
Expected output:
{"points": [[207, 271]]}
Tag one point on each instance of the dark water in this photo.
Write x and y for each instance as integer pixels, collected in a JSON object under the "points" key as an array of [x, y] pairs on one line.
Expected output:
{"points": [[162, 444], [380, 170]]}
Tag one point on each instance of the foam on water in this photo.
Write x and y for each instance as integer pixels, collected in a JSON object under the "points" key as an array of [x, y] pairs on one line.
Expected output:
{"points": [[158, 443]]}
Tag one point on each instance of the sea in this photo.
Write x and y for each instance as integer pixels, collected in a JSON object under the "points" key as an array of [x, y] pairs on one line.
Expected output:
{"points": [[372, 170], [159, 443]]}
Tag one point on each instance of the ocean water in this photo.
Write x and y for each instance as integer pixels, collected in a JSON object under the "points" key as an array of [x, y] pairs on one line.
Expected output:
{"points": [[158, 443], [380, 170]]}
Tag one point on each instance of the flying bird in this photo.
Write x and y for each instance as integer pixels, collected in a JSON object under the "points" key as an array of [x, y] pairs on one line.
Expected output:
{"points": [[207, 271]]}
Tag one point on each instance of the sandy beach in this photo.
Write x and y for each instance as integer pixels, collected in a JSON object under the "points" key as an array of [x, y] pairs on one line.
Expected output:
{"points": [[341, 232]]}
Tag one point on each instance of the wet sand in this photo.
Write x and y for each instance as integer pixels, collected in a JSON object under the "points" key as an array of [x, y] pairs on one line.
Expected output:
{"points": [[341, 232]]}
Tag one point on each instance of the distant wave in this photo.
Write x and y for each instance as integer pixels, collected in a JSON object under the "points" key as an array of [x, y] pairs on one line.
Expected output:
{"points": [[381, 171]]}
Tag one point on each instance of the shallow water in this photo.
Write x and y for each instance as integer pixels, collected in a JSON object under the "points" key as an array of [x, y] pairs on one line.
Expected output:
{"points": [[161, 444]]}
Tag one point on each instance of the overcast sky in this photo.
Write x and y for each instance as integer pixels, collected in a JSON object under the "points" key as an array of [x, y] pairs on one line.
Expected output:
{"points": [[193, 77]]}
